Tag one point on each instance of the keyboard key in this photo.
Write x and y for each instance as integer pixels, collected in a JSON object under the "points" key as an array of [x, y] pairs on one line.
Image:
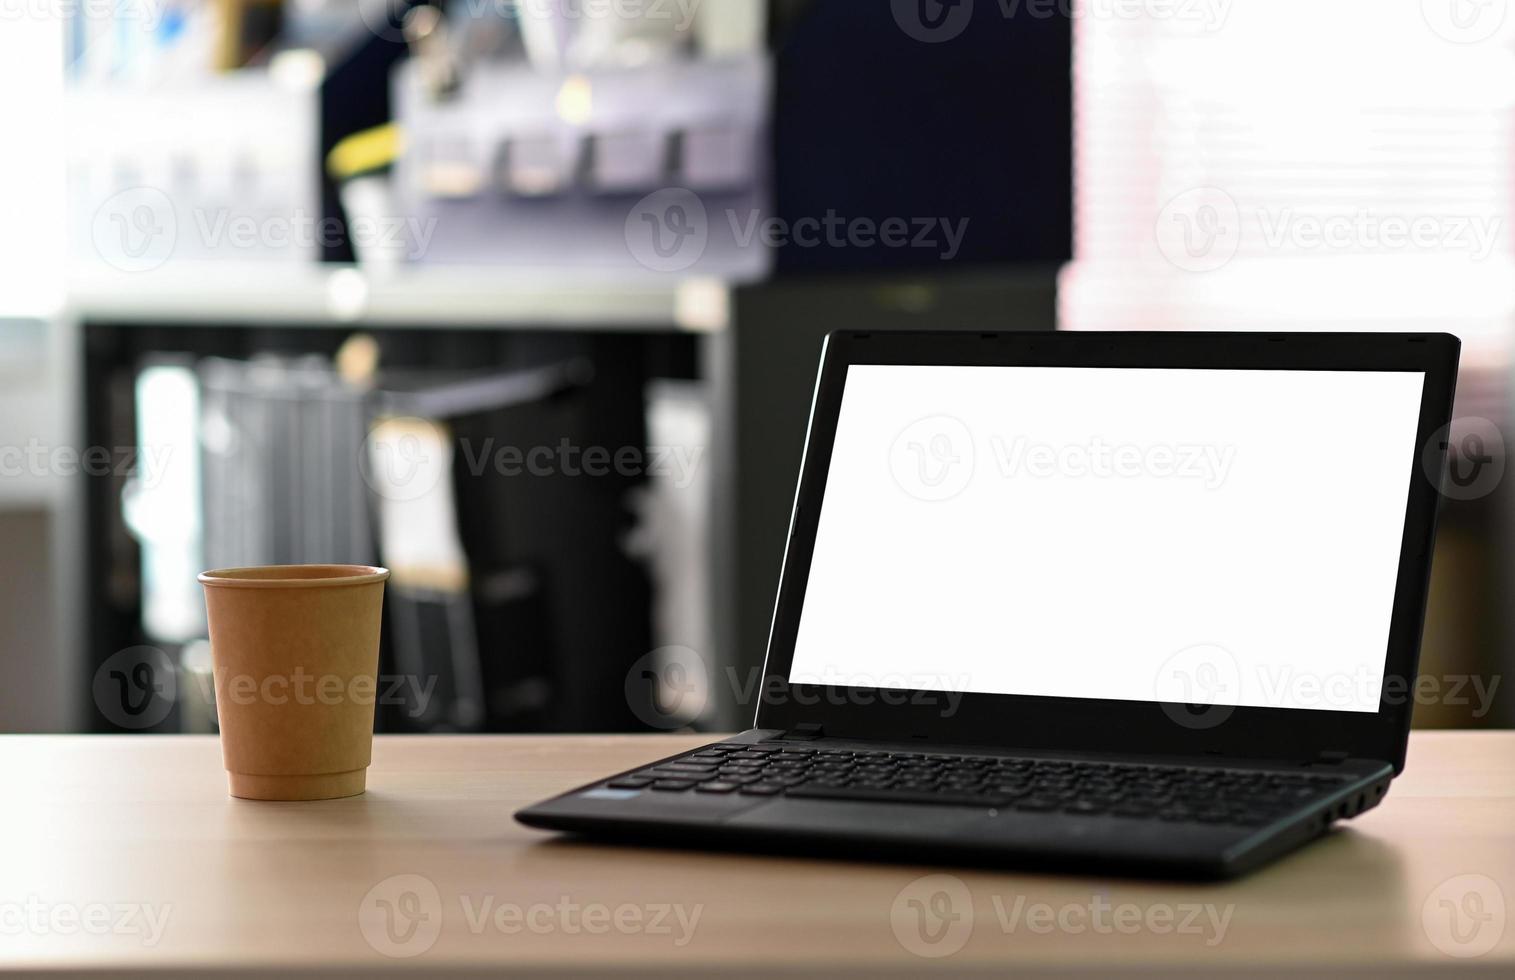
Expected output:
{"points": [[672, 785], [716, 787], [681, 774], [630, 782], [761, 789]]}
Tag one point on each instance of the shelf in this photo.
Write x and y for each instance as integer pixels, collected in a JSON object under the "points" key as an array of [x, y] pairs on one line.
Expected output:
{"points": [[299, 294]]}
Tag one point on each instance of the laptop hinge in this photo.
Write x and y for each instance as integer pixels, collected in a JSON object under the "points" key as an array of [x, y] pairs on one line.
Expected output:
{"points": [[1332, 757], [805, 732]]}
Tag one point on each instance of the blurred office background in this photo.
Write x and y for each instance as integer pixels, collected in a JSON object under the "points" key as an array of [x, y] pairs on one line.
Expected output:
{"points": [[523, 299]]}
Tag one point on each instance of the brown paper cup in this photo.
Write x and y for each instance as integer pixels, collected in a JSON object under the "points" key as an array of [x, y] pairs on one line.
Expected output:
{"points": [[296, 655]]}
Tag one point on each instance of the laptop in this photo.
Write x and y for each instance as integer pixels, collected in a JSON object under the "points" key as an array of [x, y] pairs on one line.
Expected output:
{"points": [[1137, 603]]}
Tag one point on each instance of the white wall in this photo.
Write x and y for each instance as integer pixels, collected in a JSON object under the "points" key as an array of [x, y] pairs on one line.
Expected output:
{"points": [[37, 526]]}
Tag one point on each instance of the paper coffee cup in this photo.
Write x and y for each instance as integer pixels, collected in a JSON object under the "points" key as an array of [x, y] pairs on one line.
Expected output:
{"points": [[295, 650]]}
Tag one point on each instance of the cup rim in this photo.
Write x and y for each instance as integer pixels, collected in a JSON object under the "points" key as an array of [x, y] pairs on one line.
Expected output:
{"points": [[292, 576]]}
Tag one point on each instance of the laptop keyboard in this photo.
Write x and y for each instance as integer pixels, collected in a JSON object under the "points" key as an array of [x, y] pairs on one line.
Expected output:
{"points": [[1175, 793]]}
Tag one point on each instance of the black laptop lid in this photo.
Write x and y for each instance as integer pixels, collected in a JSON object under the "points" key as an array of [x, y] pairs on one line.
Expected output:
{"points": [[1165, 543]]}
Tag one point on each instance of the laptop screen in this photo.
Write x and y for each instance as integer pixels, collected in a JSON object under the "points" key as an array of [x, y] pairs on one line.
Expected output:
{"points": [[1180, 535]]}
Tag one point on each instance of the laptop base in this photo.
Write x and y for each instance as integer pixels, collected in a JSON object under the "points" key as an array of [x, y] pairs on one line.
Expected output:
{"points": [[957, 830]]}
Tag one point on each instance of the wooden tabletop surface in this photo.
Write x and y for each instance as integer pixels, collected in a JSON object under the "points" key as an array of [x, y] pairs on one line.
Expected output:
{"points": [[125, 855]]}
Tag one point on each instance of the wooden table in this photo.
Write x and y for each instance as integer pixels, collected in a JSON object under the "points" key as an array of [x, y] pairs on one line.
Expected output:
{"points": [[125, 855]]}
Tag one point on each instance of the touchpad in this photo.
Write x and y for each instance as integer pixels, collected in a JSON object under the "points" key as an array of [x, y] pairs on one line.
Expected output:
{"points": [[881, 820]]}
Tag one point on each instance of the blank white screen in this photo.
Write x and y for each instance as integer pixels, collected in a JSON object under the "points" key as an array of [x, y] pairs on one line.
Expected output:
{"points": [[1110, 533]]}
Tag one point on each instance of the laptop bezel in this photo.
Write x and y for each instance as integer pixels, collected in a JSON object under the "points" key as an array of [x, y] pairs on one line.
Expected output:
{"points": [[1132, 727]]}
